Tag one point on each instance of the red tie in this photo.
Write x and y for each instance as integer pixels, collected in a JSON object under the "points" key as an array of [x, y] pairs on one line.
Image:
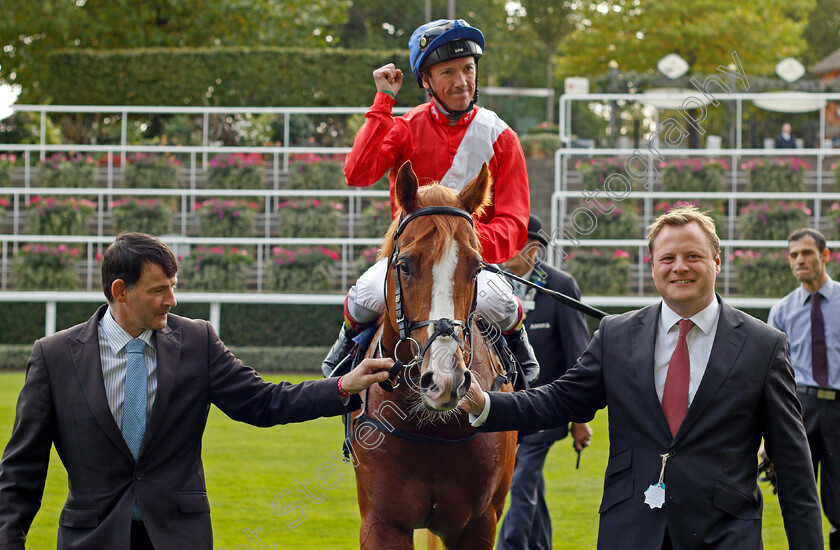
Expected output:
{"points": [[675, 395]]}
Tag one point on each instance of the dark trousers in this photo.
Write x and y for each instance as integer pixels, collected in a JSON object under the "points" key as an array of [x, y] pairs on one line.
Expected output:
{"points": [[139, 537], [527, 524], [822, 424]]}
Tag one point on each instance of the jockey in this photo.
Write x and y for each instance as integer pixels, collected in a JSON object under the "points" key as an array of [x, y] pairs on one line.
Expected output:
{"points": [[447, 140]]}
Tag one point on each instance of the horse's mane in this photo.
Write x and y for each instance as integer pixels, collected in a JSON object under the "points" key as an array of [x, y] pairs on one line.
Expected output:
{"points": [[431, 195]]}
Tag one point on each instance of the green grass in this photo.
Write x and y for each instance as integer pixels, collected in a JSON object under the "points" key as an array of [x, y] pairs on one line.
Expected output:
{"points": [[248, 467]]}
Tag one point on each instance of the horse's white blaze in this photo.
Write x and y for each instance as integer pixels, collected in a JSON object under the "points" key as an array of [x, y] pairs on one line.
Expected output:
{"points": [[442, 350]]}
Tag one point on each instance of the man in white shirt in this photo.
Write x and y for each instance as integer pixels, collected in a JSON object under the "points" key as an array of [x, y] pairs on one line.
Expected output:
{"points": [[692, 385]]}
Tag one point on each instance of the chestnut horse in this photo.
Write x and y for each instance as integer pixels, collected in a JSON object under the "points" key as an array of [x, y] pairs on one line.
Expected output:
{"points": [[419, 463]]}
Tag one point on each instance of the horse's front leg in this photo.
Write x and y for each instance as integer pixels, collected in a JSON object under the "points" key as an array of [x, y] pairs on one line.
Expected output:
{"points": [[378, 535], [478, 534]]}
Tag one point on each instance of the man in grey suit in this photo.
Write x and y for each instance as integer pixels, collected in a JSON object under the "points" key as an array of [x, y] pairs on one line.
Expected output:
{"points": [[124, 398], [692, 385]]}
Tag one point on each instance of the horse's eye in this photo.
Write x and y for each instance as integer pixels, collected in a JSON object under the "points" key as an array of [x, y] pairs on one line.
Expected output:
{"points": [[405, 267]]}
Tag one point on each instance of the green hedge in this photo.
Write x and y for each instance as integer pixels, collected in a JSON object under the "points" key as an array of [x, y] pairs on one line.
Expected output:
{"points": [[262, 359], [270, 325], [274, 77]]}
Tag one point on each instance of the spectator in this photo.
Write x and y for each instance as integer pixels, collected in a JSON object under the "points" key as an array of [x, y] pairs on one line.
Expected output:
{"points": [[785, 139]]}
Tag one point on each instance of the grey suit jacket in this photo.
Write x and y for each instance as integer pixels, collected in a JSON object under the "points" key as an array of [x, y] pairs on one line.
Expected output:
{"points": [[712, 495], [63, 403]]}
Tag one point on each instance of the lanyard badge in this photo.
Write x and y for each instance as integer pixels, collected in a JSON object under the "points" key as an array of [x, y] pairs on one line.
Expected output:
{"points": [[655, 494]]}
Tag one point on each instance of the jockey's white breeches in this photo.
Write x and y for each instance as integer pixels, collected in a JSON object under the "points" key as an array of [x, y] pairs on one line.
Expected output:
{"points": [[495, 301]]}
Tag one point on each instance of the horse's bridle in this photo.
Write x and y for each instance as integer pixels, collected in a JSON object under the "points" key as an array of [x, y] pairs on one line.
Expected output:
{"points": [[442, 327]]}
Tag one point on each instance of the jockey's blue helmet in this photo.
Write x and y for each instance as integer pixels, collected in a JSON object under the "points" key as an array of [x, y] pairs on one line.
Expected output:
{"points": [[442, 40]]}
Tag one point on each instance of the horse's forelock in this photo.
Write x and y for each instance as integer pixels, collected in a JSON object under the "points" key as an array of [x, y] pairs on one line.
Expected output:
{"points": [[429, 195]]}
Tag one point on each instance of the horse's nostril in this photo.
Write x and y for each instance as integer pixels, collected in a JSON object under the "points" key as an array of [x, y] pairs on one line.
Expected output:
{"points": [[426, 381], [465, 386]]}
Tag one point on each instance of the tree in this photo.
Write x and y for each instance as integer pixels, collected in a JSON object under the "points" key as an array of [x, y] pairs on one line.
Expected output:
{"points": [[31, 30], [822, 32], [637, 33]]}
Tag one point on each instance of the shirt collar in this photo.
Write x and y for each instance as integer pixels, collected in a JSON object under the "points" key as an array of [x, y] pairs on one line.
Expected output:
{"points": [[117, 337], [827, 291], [705, 319]]}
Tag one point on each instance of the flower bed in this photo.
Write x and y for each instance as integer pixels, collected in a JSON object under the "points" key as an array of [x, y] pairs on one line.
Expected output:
{"points": [[53, 216], [309, 218], [620, 223], [226, 218], [594, 172], [42, 267], [600, 272], [308, 269], [150, 216], [772, 221], [779, 175], [151, 171], [313, 172], [67, 170], [834, 220], [763, 273], [376, 219], [236, 171], [7, 167], [364, 260], [693, 175], [215, 269]]}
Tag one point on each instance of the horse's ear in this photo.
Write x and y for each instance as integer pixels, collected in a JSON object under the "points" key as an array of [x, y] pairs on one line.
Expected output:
{"points": [[406, 188], [476, 195]]}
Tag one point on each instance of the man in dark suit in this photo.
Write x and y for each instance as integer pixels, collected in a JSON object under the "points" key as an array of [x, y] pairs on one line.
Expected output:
{"points": [[124, 398], [559, 336], [785, 139], [687, 407]]}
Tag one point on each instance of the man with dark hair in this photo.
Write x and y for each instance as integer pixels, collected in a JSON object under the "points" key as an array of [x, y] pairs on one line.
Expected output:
{"points": [[124, 397], [810, 316], [691, 386]]}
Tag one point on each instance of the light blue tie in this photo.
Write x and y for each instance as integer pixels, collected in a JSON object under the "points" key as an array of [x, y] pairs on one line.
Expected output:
{"points": [[135, 397]]}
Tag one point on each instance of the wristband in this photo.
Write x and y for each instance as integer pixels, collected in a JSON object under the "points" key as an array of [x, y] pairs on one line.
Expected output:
{"points": [[342, 393], [390, 93]]}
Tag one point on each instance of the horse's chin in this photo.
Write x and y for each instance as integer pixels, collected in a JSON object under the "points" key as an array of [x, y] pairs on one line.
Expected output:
{"points": [[434, 406]]}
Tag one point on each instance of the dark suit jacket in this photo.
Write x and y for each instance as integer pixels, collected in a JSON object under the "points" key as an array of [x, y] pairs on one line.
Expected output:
{"points": [[712, 495], [785, 143], [63, 403]]}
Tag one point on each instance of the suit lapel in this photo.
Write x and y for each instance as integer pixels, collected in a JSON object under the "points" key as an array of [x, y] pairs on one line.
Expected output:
{"points": [[642, 344], [168, 349], [85, 354], [725, 350]]}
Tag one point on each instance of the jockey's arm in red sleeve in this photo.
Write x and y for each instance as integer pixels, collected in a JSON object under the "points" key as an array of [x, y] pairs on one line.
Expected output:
{"points": [[503, 229], [372, 154]]}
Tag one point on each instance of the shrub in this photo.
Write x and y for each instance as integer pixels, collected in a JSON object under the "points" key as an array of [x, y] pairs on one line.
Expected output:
{"points": [[7, 167], [620, 223], [772, 221], [308, 269], [695, 174], [540, 145], [595, 172], [226, 218], [600, 271], [215, 269], [763, 273], [366, 259], [376, 219], [67, 170], [834, 219], [42, 267], [776, 175], [150, 216], [236, 171], [314, 172], [309, 218], [151, 171], [52, 216]]}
